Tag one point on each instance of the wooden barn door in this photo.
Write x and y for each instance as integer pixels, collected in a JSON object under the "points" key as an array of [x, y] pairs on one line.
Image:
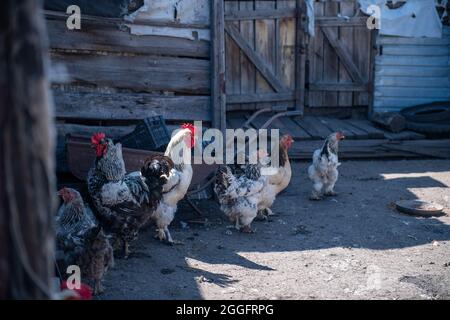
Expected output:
{"points": [[263, 54], [340, 56]]}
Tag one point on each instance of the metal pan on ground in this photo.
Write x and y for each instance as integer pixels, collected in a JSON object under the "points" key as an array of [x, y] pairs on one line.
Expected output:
{"points": [[419, 208]]}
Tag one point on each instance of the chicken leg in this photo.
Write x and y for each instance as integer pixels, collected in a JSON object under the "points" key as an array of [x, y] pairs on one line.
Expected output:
{"points": [[329, 186], [317, 190], [98, 287], [126, 249], [247, 229]]}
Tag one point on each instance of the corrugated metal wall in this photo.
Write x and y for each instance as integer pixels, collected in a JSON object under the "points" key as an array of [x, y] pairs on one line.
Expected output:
{"points": [[411, 71]]}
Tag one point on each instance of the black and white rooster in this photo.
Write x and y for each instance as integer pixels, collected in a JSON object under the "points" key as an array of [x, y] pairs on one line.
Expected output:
{"points": [[124, 202]]}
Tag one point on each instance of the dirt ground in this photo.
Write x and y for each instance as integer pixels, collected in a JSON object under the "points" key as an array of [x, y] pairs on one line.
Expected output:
{"points": [[353, 246]]}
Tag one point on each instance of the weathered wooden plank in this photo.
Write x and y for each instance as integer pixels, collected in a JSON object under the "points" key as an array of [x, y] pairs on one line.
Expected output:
{"points": [[218, 96], [331, 55], [316, 59], [248, 70], [285, 42], [266, 47], [338, 87], [144, 21], [367, 126], [404, 135], [343, 55], [362, 55], [236, 119], [261, 14], [300, 56], [113, 132], [347, 127], [292, 128], [233, 55], [346, 36], [130, 106], [377, 149], [340, 22], [430, 148], [264, 97], [336, 125], [313, 126], [140, 73], [256, 59], [106, 37]]}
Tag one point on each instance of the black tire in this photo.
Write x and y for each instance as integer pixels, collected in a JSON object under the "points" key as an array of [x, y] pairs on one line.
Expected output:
{"points": [[430, 112], [428, 127]]}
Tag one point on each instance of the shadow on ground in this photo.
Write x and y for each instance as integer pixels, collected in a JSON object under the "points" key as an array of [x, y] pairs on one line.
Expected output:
{"points": [[215, 258]]}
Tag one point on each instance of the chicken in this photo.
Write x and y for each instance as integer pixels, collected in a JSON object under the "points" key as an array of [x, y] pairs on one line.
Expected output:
{"points": [[278, 180], [124, 202], [239, 196], [81, 239], [323, 172], [178, 180]]}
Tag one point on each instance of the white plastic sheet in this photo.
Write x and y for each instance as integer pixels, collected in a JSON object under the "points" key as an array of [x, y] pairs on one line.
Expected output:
{"points": [[416, 18], [310, 14]]}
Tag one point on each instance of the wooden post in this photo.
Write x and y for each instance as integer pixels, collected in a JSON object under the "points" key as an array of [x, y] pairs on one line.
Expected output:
{"points": [[27, 184], [300, 56], [218, 65]]}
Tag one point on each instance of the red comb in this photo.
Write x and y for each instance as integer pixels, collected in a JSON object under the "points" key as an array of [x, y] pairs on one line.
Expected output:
{"points": [[189, 126], [97, 137]]}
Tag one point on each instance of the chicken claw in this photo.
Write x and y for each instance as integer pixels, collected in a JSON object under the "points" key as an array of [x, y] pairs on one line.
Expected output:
{"points": [[98, 288], [331, 193], [315, 196], [247, 229]]}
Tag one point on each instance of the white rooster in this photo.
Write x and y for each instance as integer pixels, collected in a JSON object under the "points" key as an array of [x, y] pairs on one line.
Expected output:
{"points": [[178, 182], [323, 172]]}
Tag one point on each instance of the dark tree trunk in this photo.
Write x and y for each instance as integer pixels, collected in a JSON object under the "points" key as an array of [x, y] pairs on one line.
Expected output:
{"points": [[27, 184]]}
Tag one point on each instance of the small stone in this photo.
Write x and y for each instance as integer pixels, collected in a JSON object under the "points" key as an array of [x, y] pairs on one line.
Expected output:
{"points": [[167, 271]]}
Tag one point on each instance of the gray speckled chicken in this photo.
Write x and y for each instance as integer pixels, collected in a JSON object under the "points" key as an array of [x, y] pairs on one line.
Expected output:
{"points": [[81, 239], [239, 196]]}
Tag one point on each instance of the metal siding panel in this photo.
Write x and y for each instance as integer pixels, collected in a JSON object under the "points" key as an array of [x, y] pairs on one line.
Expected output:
{"points": [[411, 71]]}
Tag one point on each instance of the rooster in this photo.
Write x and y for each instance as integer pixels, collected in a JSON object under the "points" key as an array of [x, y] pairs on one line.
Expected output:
{"points": [[124, 202], [239, 196], [178, 180], [81, 239], [278, 180], [323, 172]]}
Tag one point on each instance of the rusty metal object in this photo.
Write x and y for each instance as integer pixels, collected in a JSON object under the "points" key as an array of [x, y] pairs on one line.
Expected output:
{"points": [[419, 208], [80, 159]]}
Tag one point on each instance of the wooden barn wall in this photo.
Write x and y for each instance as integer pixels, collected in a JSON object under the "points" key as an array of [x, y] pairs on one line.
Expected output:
{"points": [[411, 71], [329, 82], [117, 72]]}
